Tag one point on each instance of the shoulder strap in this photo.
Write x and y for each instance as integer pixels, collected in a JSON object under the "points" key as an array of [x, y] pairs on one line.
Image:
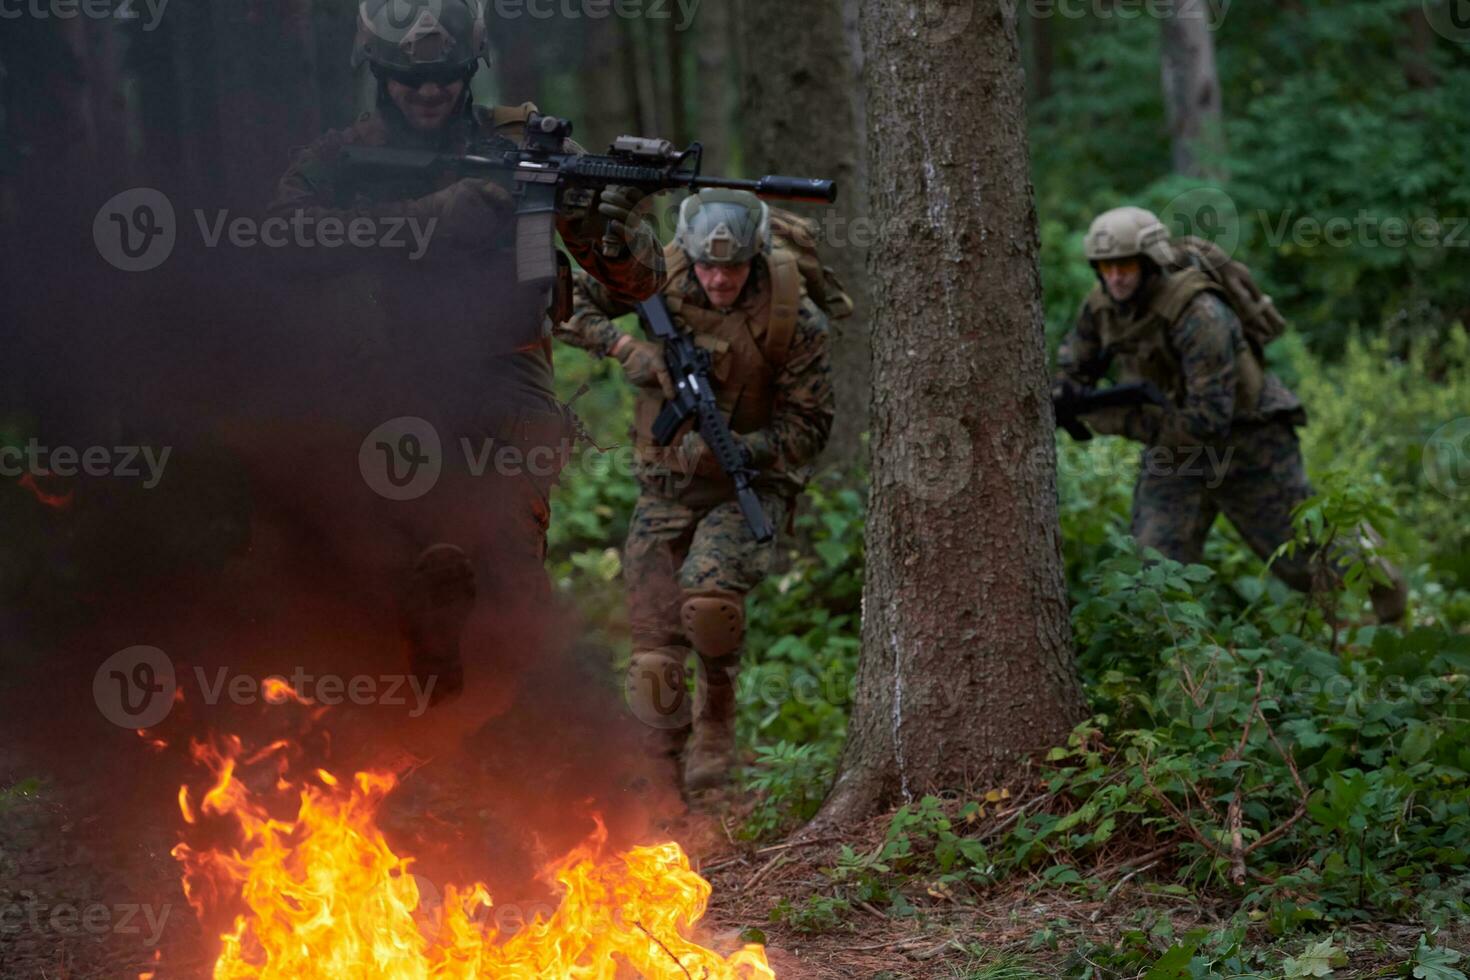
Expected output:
{"points": [[512, 115], [785, 304], [1180, 291], [676, 261]]}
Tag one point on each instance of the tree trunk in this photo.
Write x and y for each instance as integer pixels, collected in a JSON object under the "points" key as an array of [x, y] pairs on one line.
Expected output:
{"points": [[1043, 55], [1192, 100], [799, 115], [639, 51], [1418, 49], [517, 68], [673, 51], [967, 663], [714, 86], [607, 110]]}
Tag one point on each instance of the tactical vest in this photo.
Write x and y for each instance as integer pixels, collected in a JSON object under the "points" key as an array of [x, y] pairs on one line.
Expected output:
{"points": [[748, 346], [1137, 341]]}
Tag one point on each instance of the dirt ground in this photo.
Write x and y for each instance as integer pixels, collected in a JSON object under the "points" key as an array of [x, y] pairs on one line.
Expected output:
{"points": [[85, 897]]}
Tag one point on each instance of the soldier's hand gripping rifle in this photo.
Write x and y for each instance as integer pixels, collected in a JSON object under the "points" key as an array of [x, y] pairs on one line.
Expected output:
{"points": [[688, 365], [543, 173], [1071, 403]]}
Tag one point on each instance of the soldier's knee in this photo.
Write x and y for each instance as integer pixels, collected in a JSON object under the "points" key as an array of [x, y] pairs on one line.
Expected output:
{"points": [[714, 622]]}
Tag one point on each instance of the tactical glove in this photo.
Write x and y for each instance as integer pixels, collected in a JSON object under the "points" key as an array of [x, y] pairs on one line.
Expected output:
{"points": [[471, 214], [643, 364], [617, 208], [695, 456]]}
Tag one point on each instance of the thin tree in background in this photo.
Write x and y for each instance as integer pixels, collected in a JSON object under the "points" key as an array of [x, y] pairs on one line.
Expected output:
{"points": [[967, 662], [798, 114], [1192, 100]]}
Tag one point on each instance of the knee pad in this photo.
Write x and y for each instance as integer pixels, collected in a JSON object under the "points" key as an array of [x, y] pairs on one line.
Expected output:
{"points": [[656, 688], [714, 622]]}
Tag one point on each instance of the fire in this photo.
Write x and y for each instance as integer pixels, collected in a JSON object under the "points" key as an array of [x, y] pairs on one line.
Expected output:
{"points": [[51, 501], [328, 899]]}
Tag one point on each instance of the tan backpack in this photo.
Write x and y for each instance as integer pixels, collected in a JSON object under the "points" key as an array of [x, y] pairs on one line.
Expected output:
{"points": [[1261, 320], [799, 236]]}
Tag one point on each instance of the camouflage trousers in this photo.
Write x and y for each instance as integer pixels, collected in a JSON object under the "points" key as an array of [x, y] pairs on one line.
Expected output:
{"points": [[1255, 477], [674, 548]]}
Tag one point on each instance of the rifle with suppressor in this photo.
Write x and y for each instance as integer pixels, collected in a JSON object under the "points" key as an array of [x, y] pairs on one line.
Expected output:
{"points": [[543, 173], [688, 365], [1070, 405]]}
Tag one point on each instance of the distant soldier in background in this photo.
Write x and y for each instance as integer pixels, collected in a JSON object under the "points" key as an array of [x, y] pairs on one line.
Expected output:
{"points": [[744, 280], [1190, 321]]}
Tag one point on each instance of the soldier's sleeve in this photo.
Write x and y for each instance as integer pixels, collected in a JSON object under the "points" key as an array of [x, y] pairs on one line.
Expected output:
{"points": [[308, 191], [1080, 357], [310, 185], [635, 274], [801, 418], [593, 310], [1204, 339]]}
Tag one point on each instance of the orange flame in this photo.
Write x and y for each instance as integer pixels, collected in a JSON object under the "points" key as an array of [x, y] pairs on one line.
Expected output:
{"points": [[328, 899], [53, 501]]}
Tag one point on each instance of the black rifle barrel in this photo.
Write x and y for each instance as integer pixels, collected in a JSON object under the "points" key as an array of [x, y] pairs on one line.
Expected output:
{"points": [[395, 162]]}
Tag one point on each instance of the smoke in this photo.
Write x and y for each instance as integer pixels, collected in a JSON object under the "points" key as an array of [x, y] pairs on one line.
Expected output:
{"points": [[265, 547]]}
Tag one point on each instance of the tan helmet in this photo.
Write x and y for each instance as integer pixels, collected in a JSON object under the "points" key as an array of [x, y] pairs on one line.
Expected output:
{"points": [[1125, 232], [724, 227], [415, 35]]}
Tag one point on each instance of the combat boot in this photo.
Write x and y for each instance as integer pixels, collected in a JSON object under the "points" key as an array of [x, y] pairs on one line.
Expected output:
{"points": [[441, 594], [711, 752]]}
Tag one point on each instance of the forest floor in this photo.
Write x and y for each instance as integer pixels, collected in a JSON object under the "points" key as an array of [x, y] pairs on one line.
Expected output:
{"points": [[1014, 931], [84, 897]]}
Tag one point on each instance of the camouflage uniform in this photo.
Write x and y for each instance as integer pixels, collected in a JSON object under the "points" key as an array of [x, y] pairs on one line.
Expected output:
{"points": [[1226, 443], [687, 538], [455, 339]]}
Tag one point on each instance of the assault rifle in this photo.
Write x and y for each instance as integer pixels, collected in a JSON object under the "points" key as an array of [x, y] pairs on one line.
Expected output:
{"points": [[1070, 406], [543, 173], [688, 365]]}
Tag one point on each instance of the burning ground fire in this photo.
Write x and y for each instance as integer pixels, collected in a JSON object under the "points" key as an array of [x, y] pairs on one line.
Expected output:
{"points": [[328, 899]]}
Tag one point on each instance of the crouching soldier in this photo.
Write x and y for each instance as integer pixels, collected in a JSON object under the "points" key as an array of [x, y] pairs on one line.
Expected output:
{"points": [[1183, 317]]}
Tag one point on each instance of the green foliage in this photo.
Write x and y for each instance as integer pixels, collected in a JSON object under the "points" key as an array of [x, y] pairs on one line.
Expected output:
{"points": [[791, 780], [1435, 963], [1322, 125], [19, 792], [816, 914]]}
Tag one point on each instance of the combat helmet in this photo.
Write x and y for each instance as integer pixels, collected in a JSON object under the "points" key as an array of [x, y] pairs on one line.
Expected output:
{"points": [[722, 227], [413, 35], [1125, 232]]}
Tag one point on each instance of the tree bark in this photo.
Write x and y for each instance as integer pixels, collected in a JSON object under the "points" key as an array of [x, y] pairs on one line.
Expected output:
{"points": [[606, 110], [967, 664], [799, 115], [1418, 50], [714, 86], [1192, 99], [673, 51]]}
